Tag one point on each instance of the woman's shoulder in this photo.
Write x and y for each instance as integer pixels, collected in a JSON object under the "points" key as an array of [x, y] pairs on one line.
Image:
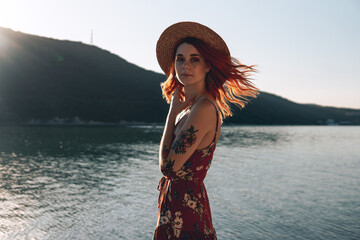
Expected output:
{"points": [[206, 104], [205, 108]]}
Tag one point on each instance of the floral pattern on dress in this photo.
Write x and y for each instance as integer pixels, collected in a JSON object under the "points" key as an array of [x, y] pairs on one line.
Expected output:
{"points": [[193, 203], [184, 209], [177, 226]]}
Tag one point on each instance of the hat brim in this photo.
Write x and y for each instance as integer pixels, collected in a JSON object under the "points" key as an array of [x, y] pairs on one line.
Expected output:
{"points": [[173, 35]]}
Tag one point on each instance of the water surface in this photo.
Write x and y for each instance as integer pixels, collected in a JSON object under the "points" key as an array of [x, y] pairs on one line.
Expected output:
{"points": [[100, 182]]}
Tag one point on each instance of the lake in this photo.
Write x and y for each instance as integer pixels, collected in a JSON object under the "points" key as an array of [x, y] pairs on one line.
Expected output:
{"points": [[265, 182]]}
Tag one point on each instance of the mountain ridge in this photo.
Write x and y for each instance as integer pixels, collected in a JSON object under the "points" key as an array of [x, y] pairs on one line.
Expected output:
{"points": [[42, 79]]}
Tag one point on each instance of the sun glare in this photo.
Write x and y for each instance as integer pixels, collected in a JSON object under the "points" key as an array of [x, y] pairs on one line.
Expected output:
{"points": [[8, 17]]}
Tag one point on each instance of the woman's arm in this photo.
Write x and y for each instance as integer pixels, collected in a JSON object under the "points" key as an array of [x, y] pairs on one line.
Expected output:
{"points": [[176, 106], [174, 152], [167, 138]]}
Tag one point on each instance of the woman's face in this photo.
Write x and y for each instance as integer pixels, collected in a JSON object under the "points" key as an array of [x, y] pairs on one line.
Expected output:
{"points": [[190, 66]]}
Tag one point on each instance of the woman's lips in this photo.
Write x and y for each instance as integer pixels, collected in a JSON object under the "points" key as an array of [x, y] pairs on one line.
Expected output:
{"points": [[186, 75]]}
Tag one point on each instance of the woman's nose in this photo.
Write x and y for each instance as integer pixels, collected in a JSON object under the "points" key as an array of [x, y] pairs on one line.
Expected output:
{"points": [[186, 65]]}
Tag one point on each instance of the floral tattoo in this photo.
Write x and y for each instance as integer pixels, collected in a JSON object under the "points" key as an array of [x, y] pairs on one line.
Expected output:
{"points": [[165, 151], [186, 139], [167, 168]]}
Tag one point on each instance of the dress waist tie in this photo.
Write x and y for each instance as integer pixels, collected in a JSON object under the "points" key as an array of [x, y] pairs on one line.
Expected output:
{"points": [[163, 187]]}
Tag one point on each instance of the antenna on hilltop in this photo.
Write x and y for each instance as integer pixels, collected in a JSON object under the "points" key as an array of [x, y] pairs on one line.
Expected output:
{"points": [[91, 37]]}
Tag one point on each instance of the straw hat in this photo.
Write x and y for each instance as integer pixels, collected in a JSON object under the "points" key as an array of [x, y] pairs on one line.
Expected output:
{"points": [[173, 35]]}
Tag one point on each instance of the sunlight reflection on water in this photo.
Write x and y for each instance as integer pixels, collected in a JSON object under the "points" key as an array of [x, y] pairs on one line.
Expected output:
{"points": [[100, 183]]}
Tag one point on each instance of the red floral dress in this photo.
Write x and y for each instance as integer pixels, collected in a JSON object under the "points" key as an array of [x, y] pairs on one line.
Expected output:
{"points": [[184, 210]]}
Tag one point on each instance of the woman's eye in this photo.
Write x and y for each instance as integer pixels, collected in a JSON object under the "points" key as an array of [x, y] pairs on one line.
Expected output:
{"points": [[195, 59], [179, 59]]}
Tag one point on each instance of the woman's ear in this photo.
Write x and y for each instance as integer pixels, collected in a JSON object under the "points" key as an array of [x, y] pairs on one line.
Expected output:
{"points": [[207, 69]]}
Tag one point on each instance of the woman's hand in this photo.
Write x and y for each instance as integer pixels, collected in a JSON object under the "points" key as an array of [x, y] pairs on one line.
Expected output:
{"points": [[177, 104]]}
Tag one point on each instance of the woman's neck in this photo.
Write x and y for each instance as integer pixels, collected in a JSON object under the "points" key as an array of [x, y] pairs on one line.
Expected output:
{"points": [[195, 93]]}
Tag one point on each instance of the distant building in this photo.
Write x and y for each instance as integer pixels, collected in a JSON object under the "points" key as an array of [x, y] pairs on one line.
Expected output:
{"points": [[330, 122]]}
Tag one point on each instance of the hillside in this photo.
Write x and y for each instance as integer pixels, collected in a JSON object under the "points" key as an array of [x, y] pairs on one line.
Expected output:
{"points": [[43, 79], [271, 109]]}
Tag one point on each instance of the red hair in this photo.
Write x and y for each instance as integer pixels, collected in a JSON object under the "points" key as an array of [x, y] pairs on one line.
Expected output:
{"points": [[227, 81]]}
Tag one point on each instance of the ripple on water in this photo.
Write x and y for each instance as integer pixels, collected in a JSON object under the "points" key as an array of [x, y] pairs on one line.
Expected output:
{"points": [[264, 183]]}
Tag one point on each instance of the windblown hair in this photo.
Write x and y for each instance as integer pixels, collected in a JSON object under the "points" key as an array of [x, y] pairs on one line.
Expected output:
{"points": [[227, 81]]}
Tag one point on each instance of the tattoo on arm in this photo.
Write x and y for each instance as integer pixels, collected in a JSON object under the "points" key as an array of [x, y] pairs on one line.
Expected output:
{"points": [[165, 151], [186, 139], [167, 168]]}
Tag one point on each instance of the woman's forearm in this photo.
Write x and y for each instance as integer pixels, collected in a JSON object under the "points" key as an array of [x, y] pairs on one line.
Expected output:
{"points": [[176, 106], [167, 138]]}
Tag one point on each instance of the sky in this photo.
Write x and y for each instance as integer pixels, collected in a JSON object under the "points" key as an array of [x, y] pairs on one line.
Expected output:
{"points": [[307, 51]]}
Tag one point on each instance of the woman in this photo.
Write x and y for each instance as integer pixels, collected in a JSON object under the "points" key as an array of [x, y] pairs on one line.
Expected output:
{"points": [[202, 80]]}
